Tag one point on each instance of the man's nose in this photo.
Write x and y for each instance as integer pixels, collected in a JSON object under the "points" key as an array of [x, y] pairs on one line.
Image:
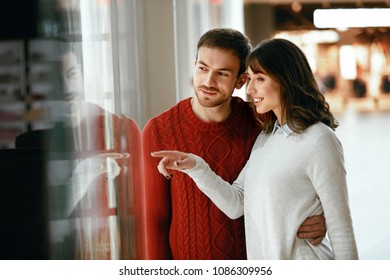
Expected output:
{"points": [[210, 79]]}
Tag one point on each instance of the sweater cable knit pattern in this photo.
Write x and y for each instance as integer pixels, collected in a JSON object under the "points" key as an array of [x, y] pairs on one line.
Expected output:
{"points": [[176, 209]]}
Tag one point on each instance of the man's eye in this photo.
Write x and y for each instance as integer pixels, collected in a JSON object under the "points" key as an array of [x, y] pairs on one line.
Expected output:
{"points": [[71, 75]]}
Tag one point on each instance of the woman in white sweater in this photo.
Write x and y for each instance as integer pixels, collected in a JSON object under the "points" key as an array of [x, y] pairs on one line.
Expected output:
{"points": [[296, 168]]}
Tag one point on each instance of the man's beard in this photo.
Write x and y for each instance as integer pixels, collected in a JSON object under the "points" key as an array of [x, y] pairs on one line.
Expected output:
{"points": [[214, 100]]}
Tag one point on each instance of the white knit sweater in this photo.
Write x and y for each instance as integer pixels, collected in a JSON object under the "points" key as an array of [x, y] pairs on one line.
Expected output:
{"points": [[287, 178]]}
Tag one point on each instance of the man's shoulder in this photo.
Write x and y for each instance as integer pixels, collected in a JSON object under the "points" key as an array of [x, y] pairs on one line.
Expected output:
{"points": [[167, 115], [238, 102], [171, 110], [238, 99], [242, 110]]}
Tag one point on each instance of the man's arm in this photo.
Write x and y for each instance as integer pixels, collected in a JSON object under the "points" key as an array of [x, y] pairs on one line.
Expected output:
{"points": [[135, 185], [313, 227], [157, 201]]}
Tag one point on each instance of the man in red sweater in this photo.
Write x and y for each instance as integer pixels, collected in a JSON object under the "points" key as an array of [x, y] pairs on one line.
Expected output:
{"points": [[180, 221]]}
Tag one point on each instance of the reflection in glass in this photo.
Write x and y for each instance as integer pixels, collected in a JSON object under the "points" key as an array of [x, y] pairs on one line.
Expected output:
{"points": [[93, 165]]}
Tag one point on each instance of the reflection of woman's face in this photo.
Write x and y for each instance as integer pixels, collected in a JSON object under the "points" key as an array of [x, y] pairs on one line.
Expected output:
{"points": [[72, 77]]}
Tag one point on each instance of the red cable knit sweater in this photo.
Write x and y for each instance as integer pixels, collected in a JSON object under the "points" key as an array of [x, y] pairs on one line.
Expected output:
{"points": [[181, 222]]}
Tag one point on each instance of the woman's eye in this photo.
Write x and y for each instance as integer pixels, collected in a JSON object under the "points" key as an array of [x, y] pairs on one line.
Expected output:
{"points": [[260, 79]]}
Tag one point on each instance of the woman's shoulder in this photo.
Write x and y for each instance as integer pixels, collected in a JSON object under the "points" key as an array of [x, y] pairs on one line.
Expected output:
{"points": [[320, 128], [322, 134]]}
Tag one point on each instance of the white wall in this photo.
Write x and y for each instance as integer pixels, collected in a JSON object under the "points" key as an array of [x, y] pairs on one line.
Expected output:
{"points": [[171, 31], [159, 66]]}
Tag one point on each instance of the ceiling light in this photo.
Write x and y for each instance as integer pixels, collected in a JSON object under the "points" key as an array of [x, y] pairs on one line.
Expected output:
{"points": [[296, 7], [345, 18]]}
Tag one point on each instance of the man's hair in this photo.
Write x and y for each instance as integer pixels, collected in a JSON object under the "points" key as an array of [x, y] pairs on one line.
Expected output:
{"points": [[227, 39]]}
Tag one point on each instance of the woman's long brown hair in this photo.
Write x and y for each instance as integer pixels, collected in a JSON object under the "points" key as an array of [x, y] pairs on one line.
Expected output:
{"points": [[302, 102]]}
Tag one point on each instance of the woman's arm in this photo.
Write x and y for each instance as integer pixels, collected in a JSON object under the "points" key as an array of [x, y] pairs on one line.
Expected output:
{"points": [[328, 175], [229, 198]]}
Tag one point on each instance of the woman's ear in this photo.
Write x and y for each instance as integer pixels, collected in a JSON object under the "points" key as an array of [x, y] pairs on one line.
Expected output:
{"points": [[241, 80]]}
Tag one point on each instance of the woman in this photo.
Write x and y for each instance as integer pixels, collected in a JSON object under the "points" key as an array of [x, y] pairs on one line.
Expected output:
{"points": [[304, 173]]}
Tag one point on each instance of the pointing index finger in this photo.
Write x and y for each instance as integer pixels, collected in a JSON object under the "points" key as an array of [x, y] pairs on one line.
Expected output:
{"points": [[165, 154]]}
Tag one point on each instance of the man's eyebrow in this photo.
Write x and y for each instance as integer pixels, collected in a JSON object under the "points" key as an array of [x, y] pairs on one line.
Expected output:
{"points": [[220, 69], [70, 69], [203, 63]]}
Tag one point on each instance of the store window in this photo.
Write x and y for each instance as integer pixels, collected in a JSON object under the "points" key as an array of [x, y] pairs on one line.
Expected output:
{"points": [[69, 129], [93, 198]]}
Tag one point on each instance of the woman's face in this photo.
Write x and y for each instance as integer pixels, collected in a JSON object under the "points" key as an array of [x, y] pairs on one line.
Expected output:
{"points": [[265, 93]]}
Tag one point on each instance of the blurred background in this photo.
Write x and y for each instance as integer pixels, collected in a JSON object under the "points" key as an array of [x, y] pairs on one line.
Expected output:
{"points": [[80, 78]]}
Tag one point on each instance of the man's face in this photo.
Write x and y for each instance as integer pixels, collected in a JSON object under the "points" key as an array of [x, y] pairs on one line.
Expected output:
{"points": [[72, 77], [215, 76], [73, 86]]}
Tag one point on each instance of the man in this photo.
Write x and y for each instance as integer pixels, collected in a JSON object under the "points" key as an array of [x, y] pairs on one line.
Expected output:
{"points": [[181, 222]]}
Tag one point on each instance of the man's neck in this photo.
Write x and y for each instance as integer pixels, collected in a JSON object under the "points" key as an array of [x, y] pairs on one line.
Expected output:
{"points": [[211, 114]]}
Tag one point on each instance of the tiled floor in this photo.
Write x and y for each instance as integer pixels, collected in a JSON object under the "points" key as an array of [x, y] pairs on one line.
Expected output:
{"points": [[365, 134]]}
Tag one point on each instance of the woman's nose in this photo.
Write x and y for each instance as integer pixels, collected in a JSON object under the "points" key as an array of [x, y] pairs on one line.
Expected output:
{"points": [[250, 89]]}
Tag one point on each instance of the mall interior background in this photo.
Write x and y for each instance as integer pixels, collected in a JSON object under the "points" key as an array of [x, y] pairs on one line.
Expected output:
{"points": [[134, 59]]}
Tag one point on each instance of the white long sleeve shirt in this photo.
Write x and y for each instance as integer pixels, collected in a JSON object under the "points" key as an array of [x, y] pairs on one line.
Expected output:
{"points": [[287, 178]]}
